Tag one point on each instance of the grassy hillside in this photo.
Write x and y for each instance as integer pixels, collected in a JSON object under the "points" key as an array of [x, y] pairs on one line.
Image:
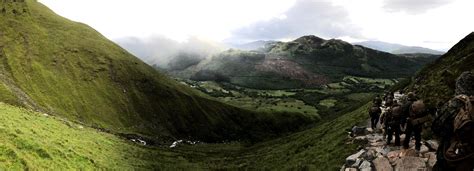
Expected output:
{"points": [[306, 62], [32, 140], [54, 65], [436, 81]]}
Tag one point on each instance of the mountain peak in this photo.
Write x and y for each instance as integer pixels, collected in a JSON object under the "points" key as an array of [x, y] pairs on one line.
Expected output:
{"points": [[309, 39]]}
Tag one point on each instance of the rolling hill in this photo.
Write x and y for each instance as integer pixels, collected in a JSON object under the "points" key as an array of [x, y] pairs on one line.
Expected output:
{"points": [[64, 68], [306, 62]]}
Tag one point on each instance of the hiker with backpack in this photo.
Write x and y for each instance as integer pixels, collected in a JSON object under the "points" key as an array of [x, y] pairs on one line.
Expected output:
{"points": [[392, 123], [454, 126], [388, 98], [407, 101], [374, 113], [377, 101], [417, 116]]}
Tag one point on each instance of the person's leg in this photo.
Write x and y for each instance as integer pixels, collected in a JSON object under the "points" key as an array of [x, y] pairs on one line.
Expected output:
{"points": [[397, 135], [389, 135], [372, 122], [376, 122], [417, 131], [406, 142]]}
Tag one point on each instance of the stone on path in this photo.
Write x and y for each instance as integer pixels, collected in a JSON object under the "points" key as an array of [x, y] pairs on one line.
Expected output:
{"points": [[365, 166], [350, 169], [353, 158], [408, 153], [358, 131], [432, 144], [424, 149], [431, 159], [393, 156], [382, 164], [361, 140], [357, 163], [410, 163]]}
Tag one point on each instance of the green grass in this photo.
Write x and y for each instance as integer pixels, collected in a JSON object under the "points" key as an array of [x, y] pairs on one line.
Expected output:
{"points": [[328, 102], [320, 148], [31, 140]]}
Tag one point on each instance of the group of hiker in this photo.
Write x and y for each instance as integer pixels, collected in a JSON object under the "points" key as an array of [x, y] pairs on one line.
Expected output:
{"points": [[407, 117], [452, 122]]}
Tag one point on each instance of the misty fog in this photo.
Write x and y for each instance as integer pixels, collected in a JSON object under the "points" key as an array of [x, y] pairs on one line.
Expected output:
{"points": [[160, 51]]}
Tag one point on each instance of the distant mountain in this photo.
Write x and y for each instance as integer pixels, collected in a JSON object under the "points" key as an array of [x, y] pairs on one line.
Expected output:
{"points": [[308, 61], [397, 48], [435, 82], [256, 45]]}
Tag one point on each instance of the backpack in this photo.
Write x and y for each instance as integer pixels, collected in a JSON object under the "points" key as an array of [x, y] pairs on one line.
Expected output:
{"points": [[374, 111], [394, 115], [462, 144]]}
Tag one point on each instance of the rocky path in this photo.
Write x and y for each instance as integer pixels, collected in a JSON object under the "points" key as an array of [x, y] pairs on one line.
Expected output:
{"points": [[375, 154]]}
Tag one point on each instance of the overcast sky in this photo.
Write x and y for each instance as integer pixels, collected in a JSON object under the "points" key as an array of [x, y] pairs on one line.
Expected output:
{"points": [[436, 24]]}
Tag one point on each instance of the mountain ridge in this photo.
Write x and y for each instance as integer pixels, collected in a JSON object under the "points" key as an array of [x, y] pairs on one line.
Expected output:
{"points": [[308, 61], [397, 48]]}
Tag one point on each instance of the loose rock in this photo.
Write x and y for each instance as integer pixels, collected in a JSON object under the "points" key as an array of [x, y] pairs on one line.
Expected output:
{"points": [[353, 158], [410, 163], [365, 166], [431, 159], [432, 145], [361, 140], [382, 164]]}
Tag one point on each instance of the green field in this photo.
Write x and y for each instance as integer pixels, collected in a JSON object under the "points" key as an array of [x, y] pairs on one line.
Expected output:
{"points": [[314, 103]]}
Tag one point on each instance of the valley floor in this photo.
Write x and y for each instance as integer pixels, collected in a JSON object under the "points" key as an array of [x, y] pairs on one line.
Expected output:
{"points": [[31, 140]]}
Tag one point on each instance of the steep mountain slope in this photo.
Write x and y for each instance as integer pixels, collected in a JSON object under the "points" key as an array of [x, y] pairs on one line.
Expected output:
{"points": [[305, 62], [397, 48], [64, 68], [436, 81]]}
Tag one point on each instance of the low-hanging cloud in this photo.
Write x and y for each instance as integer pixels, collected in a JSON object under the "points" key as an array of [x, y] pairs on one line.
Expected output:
{"points": [[159, 50], [317, 17], [413, 6]]}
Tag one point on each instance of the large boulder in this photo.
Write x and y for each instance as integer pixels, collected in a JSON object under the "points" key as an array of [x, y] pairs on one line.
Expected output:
{"points": [[382, 164], [410, 163]]}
